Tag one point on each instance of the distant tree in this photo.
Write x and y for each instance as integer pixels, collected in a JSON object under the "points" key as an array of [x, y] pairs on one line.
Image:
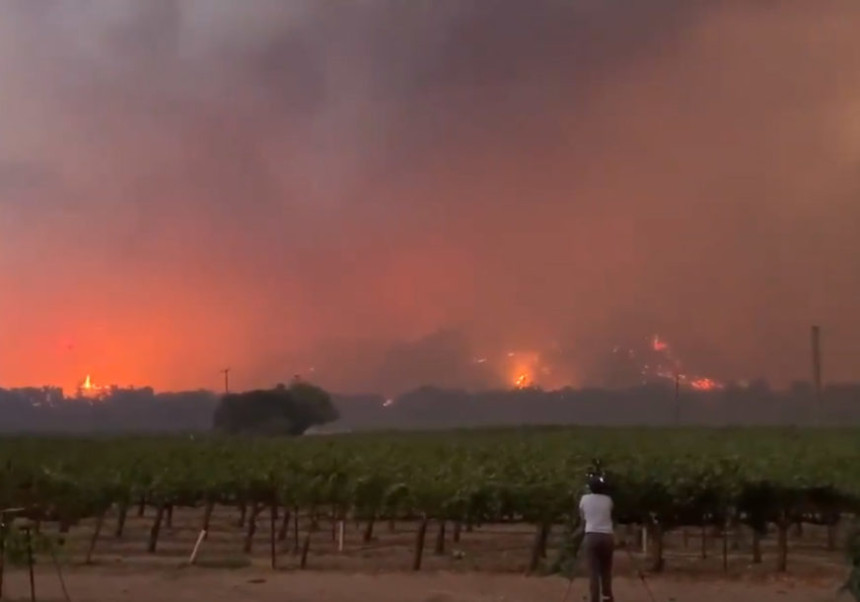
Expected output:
{"points": [[280, 411]]}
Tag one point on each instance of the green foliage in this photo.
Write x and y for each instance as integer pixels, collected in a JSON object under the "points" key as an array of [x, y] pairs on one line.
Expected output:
{"points": [[15, 545], [571, 543], [279, 411], [682, 476]]}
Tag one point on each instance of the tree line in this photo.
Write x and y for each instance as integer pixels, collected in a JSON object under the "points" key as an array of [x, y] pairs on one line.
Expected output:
{"points": [[144, 410]]}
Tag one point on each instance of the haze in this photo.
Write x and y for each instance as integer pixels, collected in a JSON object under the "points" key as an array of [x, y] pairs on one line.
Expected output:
{"points": [[280, 186]]}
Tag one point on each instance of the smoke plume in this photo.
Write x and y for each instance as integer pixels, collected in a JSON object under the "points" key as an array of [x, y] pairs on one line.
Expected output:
{"points": [[309, 187]]}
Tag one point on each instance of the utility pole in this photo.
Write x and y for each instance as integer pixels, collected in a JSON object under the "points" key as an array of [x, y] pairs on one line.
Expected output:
{"points": [[816, 371], [226, 372], [677, 399]]}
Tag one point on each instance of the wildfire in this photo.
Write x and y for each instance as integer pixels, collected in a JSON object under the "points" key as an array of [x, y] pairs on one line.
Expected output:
{"points": [[705, 384], [667, 366], [523, 369], [89, 389], [652, 360]]}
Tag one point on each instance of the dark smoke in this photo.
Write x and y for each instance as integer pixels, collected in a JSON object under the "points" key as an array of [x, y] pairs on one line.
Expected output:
{"points": [[275, 186]]}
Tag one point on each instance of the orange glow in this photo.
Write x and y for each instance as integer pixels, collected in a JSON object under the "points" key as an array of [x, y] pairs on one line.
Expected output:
{"points": [[134, 256], [657, 344], [667, 366], [523, 368], [705, 384]]}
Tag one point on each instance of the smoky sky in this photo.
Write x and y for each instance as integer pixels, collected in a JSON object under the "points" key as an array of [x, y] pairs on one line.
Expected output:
{"points": [[380, 192]]}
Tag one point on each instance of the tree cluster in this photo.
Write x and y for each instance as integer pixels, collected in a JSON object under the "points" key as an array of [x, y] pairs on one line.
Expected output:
{"points": [[280, 411]]}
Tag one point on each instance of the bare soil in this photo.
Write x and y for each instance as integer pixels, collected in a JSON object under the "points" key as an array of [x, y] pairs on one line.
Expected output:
{"points": [[486, 564], [198, 585]]}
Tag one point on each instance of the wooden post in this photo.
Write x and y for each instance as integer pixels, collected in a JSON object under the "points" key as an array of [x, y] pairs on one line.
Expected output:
{"points": [[193, 558], [226, 372]]}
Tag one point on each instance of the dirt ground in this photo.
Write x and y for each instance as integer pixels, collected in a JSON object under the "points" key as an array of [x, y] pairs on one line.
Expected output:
{"points": [[259, 585], [485, 565]]}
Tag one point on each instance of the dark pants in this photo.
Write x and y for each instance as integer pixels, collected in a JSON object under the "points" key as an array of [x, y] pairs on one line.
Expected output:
{"points": [[599, 548]]}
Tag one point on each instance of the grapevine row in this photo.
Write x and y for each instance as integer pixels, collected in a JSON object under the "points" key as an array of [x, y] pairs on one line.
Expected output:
{"points": [[662, 479]]}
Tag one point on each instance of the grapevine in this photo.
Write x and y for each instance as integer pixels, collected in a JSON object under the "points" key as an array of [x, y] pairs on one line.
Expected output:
{"points": [[663, 479]]}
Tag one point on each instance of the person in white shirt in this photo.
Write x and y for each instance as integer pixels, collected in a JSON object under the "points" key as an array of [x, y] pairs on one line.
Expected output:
{"points": [[595, 508]]}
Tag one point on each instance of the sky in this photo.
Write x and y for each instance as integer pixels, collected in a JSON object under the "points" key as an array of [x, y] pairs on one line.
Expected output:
{"points": [[380, 193]]}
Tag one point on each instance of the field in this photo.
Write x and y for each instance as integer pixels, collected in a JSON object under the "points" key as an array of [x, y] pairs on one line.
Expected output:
{"points": [[454, 516]]}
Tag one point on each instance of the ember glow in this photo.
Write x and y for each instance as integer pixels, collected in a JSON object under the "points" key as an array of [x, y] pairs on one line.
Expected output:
{"points": [[524, 369], [657, 344], [705, 384], [664, 364], [522, 381]]}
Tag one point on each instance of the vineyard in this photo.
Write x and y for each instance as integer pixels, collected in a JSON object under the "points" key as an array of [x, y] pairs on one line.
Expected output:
{"points": [[768, 483]]}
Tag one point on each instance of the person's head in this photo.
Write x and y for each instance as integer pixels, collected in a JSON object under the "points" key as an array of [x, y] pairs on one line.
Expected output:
{"points": [[597, 484]]}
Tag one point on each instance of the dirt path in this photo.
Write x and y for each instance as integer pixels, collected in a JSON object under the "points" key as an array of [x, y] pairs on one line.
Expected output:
{"points": [[204, 585]]}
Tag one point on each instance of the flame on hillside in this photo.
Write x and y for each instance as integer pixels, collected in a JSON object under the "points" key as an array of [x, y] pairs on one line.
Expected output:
{"points": [[665, 365], [522, 381], [524, 368]]}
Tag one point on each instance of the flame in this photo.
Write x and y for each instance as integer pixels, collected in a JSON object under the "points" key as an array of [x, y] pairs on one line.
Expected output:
{"points": [[705, 384], [523, 368], [658, 344], [522, 381], [91, 390], [667, 366]]}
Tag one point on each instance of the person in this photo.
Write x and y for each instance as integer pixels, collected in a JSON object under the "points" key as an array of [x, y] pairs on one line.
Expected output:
{"points": [[598, 544]]}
